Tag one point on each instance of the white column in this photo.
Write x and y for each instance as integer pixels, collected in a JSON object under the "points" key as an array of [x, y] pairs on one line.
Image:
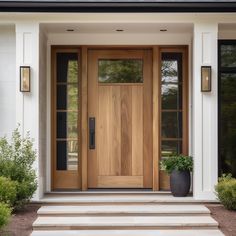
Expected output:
{"points": [[205, 115], [27, 104]]}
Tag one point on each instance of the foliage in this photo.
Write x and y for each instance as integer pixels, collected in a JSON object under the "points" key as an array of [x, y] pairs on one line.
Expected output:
{"points": [[120, 71], [8, 190], [177, 162], [5, 213], [16, 162], [226, 191]]}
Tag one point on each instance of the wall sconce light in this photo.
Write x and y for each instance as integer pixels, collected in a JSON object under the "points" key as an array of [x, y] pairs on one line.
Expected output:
{"points": [[206, 78], [24, 78]]}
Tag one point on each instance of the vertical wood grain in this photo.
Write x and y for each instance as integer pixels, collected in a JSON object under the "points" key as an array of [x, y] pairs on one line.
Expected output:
{"points": [[137, 130], [115, 135], [84, 118], [92, 112], [126, 130], [147, 120], [104, 130], [156, 117]]}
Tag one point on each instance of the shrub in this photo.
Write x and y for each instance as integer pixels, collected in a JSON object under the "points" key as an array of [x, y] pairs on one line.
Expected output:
{"points": [[5, 213], [226, 191], [177, 162], [16, 162], [7, 191]]}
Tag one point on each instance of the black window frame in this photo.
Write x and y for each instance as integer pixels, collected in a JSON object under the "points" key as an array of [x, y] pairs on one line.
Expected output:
{"points": [[221, 70]]}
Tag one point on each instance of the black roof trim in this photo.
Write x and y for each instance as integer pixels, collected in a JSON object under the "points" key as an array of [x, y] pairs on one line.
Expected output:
{"points": [[118, 6]]}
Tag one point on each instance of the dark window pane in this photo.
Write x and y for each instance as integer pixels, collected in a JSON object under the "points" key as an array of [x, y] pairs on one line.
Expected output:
{"points": [[171, 96], [61, 97], [67, 124], [67, 67], [61, 155], [228, 123], [228, 55], [67, 97], [120, 71], [67, 155], [169, 148], [171, 125], [61, 125]]}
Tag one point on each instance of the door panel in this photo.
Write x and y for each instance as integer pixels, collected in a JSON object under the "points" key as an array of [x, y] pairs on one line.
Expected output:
{"points": [[122, 109], [174, 102], [65, 119]]}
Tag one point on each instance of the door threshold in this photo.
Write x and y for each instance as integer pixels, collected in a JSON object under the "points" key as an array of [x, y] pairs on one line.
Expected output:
{"points": [[110, 191]]}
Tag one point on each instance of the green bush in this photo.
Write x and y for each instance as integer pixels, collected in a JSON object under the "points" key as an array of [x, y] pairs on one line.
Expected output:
{"points": [[16, 162], [226, 191], [177, 162], [7, 191], [5, 213]]}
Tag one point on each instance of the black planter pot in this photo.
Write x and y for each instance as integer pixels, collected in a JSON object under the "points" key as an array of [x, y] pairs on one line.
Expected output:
{"points": [[180, 183]]}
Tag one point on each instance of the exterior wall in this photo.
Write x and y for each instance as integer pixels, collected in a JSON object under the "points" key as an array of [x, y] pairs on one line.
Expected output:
{"points": [[27, 104], [205, 120], [33, 47], [42, 109], [7, 80]]}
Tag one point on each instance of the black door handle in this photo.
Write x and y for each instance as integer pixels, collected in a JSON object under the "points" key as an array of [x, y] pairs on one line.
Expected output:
{"points": [[92, 133]]}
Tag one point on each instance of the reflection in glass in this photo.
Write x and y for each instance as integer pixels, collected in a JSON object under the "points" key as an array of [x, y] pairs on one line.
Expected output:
{"points": [[67, 111], [169, 71], [72, 155], [171, 125], [72, 125], [228, 123], [171, 96], [67, 97], [228, 55], [120, 71], [67, 155], [67, 67], [169, 148]]}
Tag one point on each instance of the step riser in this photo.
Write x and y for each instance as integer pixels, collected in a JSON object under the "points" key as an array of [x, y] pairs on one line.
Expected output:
{"points": [[125, 228], [120, 214]]}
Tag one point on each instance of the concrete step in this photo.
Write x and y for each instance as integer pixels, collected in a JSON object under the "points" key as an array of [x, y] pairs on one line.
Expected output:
{"points": [[129, 233], [111, 210], [103, 199], [125, 222]]}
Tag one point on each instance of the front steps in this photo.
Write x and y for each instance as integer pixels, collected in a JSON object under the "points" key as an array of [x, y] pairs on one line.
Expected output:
{"points": [[125, 219]]}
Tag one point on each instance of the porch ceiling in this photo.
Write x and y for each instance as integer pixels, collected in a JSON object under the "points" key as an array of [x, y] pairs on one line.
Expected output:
{"points": [[112, 27]]}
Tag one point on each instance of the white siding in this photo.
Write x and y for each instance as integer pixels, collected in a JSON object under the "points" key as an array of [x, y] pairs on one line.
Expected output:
{"points": [[7, 80]]}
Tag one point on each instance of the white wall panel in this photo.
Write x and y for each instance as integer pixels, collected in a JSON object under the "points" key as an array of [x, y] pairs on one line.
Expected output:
{"points": [[7, 80], [205, 121], [27, 104]]}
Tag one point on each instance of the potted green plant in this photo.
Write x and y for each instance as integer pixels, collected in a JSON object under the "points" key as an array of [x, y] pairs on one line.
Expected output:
{"points": [[179, 168]]}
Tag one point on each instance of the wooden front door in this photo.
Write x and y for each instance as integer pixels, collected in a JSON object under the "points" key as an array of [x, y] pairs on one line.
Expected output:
{"points": [[120, 118]]}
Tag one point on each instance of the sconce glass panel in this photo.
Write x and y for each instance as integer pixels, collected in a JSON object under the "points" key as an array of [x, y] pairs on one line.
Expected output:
{"points": [[25, 79], [206, 78]]}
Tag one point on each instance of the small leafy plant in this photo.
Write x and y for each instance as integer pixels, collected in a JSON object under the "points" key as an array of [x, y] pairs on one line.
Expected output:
{"points": [[226, 191], [8, 190], [177, 162], [5, 213], [16, 163]]}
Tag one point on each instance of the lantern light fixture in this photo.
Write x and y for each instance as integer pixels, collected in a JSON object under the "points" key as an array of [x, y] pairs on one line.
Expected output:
{"points": [[206, 78], [24, 78]]}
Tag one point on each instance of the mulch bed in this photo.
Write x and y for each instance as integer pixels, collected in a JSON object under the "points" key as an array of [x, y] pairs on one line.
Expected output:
{"points": [[21, 222], [226, 218]]}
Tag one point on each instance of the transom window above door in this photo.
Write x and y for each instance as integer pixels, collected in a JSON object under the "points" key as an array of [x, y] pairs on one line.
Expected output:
{"points": [[120, 71]]}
